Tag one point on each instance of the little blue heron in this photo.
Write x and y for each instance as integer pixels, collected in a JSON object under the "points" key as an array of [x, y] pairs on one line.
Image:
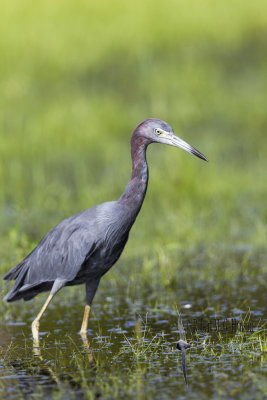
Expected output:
{"points": [[82, 248]]}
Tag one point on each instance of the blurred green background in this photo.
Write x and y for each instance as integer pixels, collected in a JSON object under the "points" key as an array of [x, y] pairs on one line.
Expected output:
{"points": [[76, 77]]}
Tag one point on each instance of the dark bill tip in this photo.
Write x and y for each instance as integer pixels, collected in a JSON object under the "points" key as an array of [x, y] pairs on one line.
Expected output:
{"points": [[198, 154]]}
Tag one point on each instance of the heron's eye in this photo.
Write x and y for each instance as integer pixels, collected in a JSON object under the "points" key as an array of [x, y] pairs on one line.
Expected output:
{"points": [[157, 131]]}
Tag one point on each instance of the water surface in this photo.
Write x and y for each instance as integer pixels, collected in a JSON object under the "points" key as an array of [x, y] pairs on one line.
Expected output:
{"points": [[131, 349]]}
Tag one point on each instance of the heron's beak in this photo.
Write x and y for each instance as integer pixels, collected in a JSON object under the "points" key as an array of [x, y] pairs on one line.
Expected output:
{"points": [[173, 140]]}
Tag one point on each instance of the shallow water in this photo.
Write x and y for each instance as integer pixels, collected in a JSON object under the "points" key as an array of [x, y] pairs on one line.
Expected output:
{"points": [[131, 350]]}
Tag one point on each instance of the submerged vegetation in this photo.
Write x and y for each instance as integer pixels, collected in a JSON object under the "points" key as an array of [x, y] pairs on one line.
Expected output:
{"points": [[76, 77]]}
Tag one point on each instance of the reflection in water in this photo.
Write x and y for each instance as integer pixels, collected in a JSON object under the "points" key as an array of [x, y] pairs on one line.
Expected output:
{"points": [[182, 346], [91, 357], [36, 372], [44, 366], [47, 370]]}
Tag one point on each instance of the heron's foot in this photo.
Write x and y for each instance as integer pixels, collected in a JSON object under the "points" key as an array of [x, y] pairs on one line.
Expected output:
{"points": [[35, 331], [83, 332], [36, 349]]}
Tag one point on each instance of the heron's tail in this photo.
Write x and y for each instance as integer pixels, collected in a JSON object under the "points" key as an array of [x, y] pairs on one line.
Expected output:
{"points": [[22, 290], [18, 273], [14, 272]]}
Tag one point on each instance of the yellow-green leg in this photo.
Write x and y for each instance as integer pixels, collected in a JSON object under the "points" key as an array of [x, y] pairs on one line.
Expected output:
{"points": [[91, 288], [86, 314], [57, 285], [36, 322]]}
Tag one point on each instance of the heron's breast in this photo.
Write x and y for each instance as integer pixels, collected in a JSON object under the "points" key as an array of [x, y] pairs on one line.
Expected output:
{"points": [[104, 256]]}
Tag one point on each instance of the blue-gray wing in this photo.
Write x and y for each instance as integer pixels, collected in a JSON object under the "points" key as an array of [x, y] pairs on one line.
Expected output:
{"points": [[59, 255]]}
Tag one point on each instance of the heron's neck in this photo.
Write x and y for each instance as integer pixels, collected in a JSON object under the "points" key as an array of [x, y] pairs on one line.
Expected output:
{"points": [[135, 191]]}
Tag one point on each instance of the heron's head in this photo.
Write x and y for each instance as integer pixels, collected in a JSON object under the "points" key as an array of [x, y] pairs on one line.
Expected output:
{"points": [[158, 131]]}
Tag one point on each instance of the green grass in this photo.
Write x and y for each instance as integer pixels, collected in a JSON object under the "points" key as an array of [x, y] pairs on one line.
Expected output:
{"points": [[75, 79]]}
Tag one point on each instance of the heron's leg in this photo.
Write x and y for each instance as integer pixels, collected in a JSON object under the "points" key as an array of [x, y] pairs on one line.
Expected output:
{"points": [[36, 322], [58, 284], [86, 314], [91, 288]]}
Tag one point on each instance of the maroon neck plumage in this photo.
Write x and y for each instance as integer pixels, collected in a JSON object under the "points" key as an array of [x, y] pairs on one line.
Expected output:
{"points": [[135, 191]]}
